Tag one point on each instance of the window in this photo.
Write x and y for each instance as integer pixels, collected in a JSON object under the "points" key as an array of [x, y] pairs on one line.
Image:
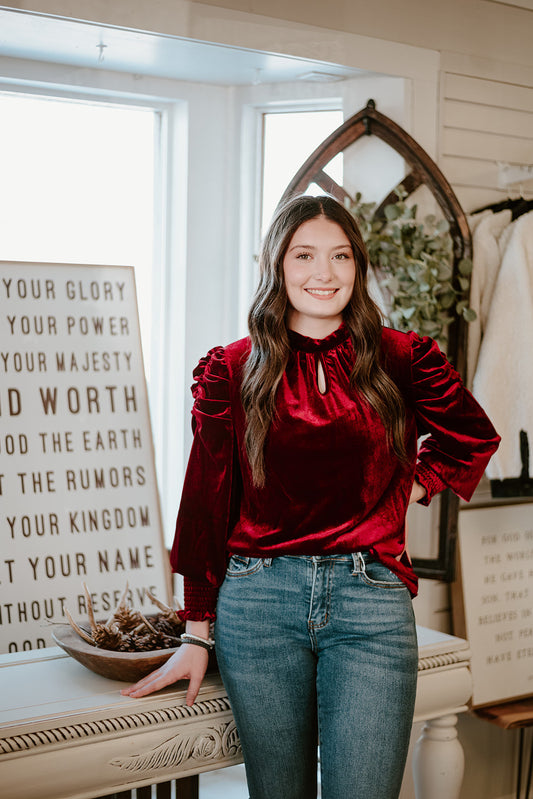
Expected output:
{"points": [[289, 138], [78, 187]]}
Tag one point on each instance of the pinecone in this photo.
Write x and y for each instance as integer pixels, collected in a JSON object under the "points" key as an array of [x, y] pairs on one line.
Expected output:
{"points": [[144, 643], [107, 638], [126, 619], [169, 626]]}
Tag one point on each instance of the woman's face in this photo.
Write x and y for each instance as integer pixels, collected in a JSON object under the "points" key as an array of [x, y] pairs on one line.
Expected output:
{"points": [[319, 271]]}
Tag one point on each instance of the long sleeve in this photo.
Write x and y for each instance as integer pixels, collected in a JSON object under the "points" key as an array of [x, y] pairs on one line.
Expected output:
{"points": [[460, 437], [204, 514]]}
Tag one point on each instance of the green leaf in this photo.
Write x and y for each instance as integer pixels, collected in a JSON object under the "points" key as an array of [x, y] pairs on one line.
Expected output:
{"points": [[469, 315], [429, 327], [465, 266], [392, 212], [446, 300], [445, 271]]}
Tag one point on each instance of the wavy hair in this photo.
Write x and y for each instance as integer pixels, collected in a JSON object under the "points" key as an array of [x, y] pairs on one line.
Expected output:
{"points": [[270, 342]]}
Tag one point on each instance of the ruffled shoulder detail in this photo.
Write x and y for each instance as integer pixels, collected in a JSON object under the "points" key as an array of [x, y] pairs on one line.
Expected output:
{"points": [[430, 366], [211, 387], [415, 362], [423, 345], [211, 376]]}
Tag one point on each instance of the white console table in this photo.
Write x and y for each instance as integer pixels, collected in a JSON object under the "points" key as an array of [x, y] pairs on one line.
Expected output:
{"points": [[66, 733]]}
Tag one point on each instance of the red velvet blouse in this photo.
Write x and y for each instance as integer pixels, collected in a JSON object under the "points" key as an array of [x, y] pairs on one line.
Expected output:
{"points": [[333, 485]]}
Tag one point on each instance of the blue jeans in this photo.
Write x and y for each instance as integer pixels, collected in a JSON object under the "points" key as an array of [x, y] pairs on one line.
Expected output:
{"points": [[318, 648]]}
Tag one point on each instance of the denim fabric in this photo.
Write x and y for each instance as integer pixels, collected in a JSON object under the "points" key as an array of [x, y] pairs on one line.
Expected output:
{"points": [[318, 648]]}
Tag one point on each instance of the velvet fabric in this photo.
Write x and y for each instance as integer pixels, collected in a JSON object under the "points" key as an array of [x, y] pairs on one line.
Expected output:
{"points": [[333, 484]]}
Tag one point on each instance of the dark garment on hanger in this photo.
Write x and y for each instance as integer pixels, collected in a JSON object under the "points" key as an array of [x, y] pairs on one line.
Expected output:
{"points": [[516, 486], [522, 207], [518, 206]]}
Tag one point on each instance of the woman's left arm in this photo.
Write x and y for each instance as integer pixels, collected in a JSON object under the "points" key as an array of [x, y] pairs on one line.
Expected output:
{"points": [[461, 437]]}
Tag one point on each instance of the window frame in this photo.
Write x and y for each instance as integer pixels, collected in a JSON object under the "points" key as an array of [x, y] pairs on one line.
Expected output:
{"points": [[162, 211], [295, 107]]}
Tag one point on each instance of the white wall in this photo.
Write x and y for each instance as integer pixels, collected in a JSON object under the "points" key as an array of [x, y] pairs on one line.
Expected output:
{"points": [[486, 119]]}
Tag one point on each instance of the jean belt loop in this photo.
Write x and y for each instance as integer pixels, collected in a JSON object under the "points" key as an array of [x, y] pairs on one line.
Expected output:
{"points": [[267, 562], [358, 563]]}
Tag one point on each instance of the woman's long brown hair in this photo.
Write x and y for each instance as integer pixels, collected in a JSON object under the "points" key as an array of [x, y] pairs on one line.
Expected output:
{"points": [[270, 342]]}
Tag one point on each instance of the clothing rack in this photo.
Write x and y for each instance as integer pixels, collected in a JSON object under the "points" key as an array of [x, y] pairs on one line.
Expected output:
{"points": [[521, 486], [512, 175]]}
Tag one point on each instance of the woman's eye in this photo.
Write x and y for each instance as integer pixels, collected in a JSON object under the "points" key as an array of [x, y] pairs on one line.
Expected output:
{"points": [[342, 256], [303, 256]]}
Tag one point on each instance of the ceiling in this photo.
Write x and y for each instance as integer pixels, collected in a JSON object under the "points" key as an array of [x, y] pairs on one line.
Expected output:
{"points": [[38, 37]]}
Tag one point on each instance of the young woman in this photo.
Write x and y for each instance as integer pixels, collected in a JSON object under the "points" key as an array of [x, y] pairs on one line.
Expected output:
{"points": [[291, 528]]}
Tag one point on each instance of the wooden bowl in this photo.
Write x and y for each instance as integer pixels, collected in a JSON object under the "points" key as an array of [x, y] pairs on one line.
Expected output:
{"points": [[125, 666]]}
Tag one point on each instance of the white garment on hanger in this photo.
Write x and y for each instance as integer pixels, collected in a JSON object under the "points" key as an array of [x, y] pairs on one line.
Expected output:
{"points": [[486, 264], [503, 382], [475, 219]]}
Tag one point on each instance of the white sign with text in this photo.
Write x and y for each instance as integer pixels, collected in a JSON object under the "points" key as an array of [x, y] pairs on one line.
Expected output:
{"points": [[78, 491]]}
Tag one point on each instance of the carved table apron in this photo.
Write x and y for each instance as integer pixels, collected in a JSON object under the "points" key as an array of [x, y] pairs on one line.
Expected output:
{"points": [[66, 733]]}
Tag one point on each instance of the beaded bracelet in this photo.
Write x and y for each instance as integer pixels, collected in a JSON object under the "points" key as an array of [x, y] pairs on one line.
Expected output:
{"points": [[189, 638]]}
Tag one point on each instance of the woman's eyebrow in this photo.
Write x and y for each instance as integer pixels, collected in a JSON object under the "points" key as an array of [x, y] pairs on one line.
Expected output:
{"points": [[313, 247]]}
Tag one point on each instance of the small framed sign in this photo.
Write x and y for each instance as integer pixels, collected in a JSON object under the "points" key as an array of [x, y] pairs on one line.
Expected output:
{"points": [[493, 599]]}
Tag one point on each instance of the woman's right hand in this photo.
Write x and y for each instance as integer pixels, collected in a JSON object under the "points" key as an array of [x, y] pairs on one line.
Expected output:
{"points": [[188, 663]]}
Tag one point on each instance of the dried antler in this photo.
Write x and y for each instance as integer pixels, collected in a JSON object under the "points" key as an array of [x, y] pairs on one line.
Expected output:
{"points": [[78, 629]]}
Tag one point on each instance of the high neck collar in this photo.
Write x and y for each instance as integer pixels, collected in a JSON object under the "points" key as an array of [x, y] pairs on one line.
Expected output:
{"points": [[307, 344]]}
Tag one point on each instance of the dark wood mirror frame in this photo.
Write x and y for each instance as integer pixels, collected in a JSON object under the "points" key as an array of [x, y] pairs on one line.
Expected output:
{"points": [[422, 172]]}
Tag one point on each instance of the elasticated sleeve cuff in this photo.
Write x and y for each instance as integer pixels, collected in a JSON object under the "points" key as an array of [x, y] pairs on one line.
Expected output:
{"points": [[200, 601], [430, 481]]}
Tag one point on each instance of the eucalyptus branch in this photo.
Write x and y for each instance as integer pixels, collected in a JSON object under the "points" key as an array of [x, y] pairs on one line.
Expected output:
{"points": [[413, 261]]}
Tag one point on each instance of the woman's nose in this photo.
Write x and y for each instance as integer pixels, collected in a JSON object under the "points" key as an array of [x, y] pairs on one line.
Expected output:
{"points": [[323, 269]]}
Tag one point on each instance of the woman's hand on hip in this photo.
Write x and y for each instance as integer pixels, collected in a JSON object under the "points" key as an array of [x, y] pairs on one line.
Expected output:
{"points": [[188, 663], [417, 492]]}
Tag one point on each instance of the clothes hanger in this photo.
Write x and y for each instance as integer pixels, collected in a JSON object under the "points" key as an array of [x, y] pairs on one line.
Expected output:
{"points": [[511, 176]]}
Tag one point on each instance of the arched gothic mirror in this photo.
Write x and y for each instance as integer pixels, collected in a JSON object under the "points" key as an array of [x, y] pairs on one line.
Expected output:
{"points": [[433, 530]]}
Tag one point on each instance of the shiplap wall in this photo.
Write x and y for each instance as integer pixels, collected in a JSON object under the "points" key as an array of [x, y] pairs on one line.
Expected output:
{"points": [[486, 118], [484, 122]]}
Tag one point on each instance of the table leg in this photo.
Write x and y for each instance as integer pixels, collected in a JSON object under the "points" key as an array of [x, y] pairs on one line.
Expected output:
{"points": [[438, 760]]}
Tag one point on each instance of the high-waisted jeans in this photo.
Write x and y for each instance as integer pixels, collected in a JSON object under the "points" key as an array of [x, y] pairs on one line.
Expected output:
{"points": [[318, 648]]}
